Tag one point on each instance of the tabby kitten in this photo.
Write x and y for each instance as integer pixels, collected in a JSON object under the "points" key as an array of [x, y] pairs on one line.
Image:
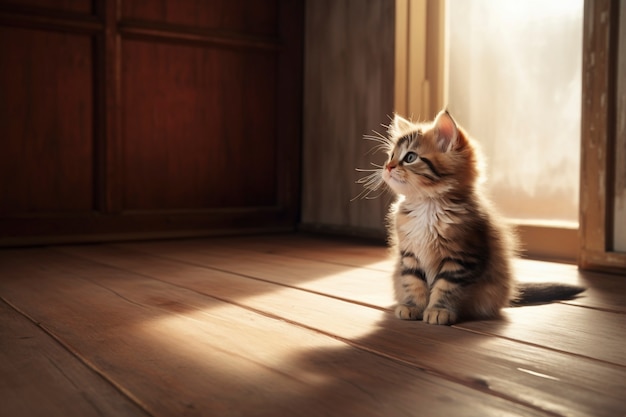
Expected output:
{"points": [[454, 253]]}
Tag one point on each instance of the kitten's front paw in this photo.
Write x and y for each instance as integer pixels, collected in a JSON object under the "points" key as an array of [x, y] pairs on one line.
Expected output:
{"points": [[405, 312], [439, 316]]}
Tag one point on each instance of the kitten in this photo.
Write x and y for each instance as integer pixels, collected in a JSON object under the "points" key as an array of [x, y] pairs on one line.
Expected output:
{"points": [[454, 253]]}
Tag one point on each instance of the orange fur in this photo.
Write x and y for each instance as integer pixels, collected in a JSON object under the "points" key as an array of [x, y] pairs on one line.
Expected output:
{"points": [[453, 251], [454, 254]]}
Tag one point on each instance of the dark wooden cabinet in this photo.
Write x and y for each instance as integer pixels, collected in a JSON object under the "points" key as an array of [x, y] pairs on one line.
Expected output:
{"points": [[148, 118]]}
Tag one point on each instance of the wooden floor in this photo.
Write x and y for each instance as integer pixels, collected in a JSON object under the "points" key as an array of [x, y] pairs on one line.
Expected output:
{"points": [[287, 326]]}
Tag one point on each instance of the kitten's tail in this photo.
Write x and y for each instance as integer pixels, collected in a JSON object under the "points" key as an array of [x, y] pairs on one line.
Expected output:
{"points": [[544, 292]]}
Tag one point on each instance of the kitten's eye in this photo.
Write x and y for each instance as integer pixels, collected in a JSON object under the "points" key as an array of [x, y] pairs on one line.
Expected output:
{"points": [[410, 157]]}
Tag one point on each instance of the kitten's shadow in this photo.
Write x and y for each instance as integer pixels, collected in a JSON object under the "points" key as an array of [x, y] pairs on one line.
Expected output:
{"points": [[398, 359]]}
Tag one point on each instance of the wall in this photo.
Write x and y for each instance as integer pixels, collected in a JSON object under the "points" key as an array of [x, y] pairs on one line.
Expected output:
{"points": [[348, 92]]}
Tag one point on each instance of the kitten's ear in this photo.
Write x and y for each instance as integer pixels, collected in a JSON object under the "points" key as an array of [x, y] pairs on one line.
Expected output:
{"points": [[399, 126], [446, 131]]}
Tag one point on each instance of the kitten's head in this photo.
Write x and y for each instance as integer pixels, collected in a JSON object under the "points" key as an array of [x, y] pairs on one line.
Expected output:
{"points": [[429, 159]]}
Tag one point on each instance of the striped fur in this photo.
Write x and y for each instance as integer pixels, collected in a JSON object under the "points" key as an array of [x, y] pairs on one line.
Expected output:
{"points": [[453, 252], [454, 255]]}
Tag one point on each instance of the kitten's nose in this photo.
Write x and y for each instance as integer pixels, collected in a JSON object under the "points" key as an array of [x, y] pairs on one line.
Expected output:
{"points": [[390, 166]]}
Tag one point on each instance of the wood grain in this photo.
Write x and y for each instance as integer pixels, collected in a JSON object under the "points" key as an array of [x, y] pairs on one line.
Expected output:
{"points": [[256, 17], [518, 367], [71, 6], [46, 159], [40, 378], [148, 118], [619, 209], [341, 261], [183, 352], [372, 288], [348, 93], [600, 61], [536, 325], [221, 102]]}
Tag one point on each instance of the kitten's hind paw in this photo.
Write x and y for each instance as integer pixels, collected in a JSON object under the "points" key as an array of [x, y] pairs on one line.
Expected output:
{"points": [[406, 312], [439, 316]]}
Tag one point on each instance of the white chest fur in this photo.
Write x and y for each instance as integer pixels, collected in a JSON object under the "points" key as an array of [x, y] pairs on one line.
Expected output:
{"points": [[422, 227]]}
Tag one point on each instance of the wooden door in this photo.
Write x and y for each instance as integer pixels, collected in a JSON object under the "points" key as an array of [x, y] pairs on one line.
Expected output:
{"points": [[148, 118]]}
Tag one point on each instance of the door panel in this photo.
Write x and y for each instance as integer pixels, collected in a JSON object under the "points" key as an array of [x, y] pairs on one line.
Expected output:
{"points": [[46, 121], [170, 97], [125, 119], [240, 16], [75, 6]]}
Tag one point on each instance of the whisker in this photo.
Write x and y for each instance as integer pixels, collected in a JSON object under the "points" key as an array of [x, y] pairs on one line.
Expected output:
{"points": [[371, 182], [365, 194], [362, 194], [375, 173], [382, 145], [368, 181], [374, 181], [380, 139], [384, 141], [377, 133], [367, 197], [378, 148], [380, 134]]}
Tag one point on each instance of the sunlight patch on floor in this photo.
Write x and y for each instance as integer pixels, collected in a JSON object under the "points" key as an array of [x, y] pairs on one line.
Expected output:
{"points": [[540, 271], [236, 343]]}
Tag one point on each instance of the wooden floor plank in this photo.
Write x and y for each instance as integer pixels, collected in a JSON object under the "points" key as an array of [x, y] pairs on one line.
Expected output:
{"points": [[604, 291], [553, 325], [183, 353], [536, 324], [340, 251], [40, 378], [328, 255], [513, 370], [370, 287]]}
